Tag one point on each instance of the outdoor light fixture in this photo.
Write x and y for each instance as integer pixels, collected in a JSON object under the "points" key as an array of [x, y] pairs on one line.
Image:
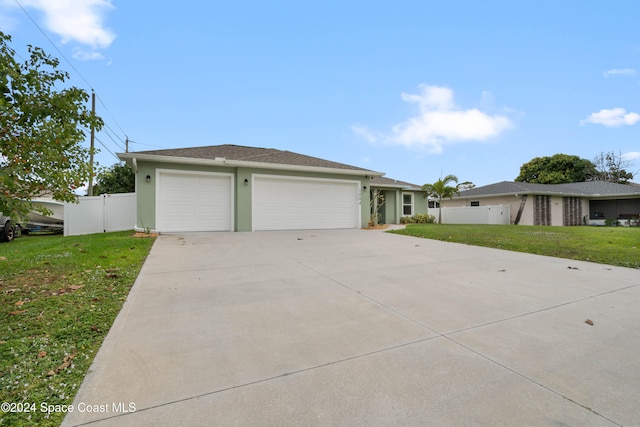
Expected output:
{"points": [[148, 178], [246, 181]]}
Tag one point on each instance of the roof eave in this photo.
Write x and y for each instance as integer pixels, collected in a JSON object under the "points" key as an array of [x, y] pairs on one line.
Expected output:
{"points": [[614, 196], [241, 163], [484, 196], [546, 193], [396, 186]]}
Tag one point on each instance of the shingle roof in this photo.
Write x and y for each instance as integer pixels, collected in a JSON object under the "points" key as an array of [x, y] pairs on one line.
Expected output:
{"points": [[389, 182], [586, 189], [250, 154]]}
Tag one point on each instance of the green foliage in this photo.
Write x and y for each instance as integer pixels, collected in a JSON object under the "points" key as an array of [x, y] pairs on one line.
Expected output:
{"points": [[557, 169], [119, 178], [58, 299], [418, 219], [605, 245], [41, 130], [441, 189]]}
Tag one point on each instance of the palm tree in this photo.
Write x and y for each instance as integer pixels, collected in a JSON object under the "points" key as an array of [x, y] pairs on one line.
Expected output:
{"points": [[441, 189]]}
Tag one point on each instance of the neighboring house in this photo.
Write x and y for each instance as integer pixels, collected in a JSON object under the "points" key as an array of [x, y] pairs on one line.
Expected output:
{"points": [[400, 199], [576, 203], [237, 188]]}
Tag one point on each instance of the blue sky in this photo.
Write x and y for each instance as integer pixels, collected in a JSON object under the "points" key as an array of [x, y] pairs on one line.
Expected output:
{"points": [[416, 89]]}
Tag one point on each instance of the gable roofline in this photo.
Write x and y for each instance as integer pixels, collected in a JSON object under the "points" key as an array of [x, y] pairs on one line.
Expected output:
{"points": [[249, 157]]}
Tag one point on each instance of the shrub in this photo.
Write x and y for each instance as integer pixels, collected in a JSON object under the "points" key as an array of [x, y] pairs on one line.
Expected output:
{"points": [[406, 220], [418, 219], [424, 219]]}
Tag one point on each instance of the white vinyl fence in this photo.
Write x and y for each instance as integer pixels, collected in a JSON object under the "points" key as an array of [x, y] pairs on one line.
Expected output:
{"points": [[500, 214], [99, 214]]}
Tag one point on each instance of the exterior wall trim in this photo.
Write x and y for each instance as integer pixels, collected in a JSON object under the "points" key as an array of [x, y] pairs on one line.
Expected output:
{"points": [[245, 164]]}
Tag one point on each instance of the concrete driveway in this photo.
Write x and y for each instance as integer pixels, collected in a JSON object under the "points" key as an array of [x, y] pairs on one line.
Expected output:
{"points": [[367, 328]]}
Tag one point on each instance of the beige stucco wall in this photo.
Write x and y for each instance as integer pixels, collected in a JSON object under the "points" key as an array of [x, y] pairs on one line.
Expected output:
{"points": [[514, 202], [556, 210]]}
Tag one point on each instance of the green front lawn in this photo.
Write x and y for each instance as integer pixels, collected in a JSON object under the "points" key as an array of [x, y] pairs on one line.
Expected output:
{"points": [[606, 245], [58, 299]]}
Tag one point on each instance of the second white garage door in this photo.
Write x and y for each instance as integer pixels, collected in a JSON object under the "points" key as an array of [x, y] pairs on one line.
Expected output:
{"points": [[193, 201], [296, 203]]}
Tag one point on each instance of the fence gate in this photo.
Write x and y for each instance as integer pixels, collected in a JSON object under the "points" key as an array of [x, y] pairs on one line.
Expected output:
{"points": [[99, 214]]}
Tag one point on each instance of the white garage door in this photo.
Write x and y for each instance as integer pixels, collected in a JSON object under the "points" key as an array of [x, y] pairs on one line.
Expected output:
{"points": [[295, 203], [194, 201]]}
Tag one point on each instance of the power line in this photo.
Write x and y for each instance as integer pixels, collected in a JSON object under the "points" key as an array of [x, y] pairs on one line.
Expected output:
{"points": [[53, 44], [81, 76], [148, 145], [105, 147], [113, 118], [111, 137]]}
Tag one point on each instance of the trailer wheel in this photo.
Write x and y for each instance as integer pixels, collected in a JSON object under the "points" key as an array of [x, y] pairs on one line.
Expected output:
{"points": [[8, 233]]}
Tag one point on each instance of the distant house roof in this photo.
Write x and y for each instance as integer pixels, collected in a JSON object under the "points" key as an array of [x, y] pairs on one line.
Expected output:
{"points": [[381, 181], [591, 189], [238, 155]]}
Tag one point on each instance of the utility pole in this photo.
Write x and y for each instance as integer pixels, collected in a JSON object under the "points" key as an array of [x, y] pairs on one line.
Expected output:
{"points": [[93, 136], [126, 146]]}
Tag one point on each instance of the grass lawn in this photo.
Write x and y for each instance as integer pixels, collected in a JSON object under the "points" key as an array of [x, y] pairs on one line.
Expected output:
{"points": [[606, 245], [58, 299]]}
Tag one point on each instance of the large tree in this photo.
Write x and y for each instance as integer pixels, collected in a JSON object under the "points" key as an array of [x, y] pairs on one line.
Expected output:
{"points": [[118, 178], [557, 169], [442, 189], [42, 127], [612, 167]]}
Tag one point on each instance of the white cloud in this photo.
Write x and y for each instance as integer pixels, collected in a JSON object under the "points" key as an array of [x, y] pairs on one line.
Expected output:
{"points": [[631, 156], [83, 55], [620, 71], [79, 21], [7, 23], [614, 117], [440, 121], [367, 134]]}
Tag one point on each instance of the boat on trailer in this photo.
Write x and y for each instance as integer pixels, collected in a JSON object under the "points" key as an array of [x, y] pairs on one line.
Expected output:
{"points": [[39, 222]]}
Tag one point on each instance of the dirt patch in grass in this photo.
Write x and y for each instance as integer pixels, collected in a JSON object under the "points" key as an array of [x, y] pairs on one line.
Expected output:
{"points": [[376, 227]]}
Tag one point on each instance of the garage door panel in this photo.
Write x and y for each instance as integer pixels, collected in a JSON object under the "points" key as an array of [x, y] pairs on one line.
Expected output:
{"points": [[194, 202], [288, 203]]}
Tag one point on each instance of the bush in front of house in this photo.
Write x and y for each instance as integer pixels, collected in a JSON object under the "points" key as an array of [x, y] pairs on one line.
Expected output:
{"points": [[418, 219]]}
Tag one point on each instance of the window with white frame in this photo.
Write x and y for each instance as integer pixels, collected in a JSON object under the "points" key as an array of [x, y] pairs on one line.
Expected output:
{"points": [[407, 204]]}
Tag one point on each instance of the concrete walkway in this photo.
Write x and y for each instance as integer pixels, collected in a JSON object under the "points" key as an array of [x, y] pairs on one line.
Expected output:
{"points": [[366, 328]]}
